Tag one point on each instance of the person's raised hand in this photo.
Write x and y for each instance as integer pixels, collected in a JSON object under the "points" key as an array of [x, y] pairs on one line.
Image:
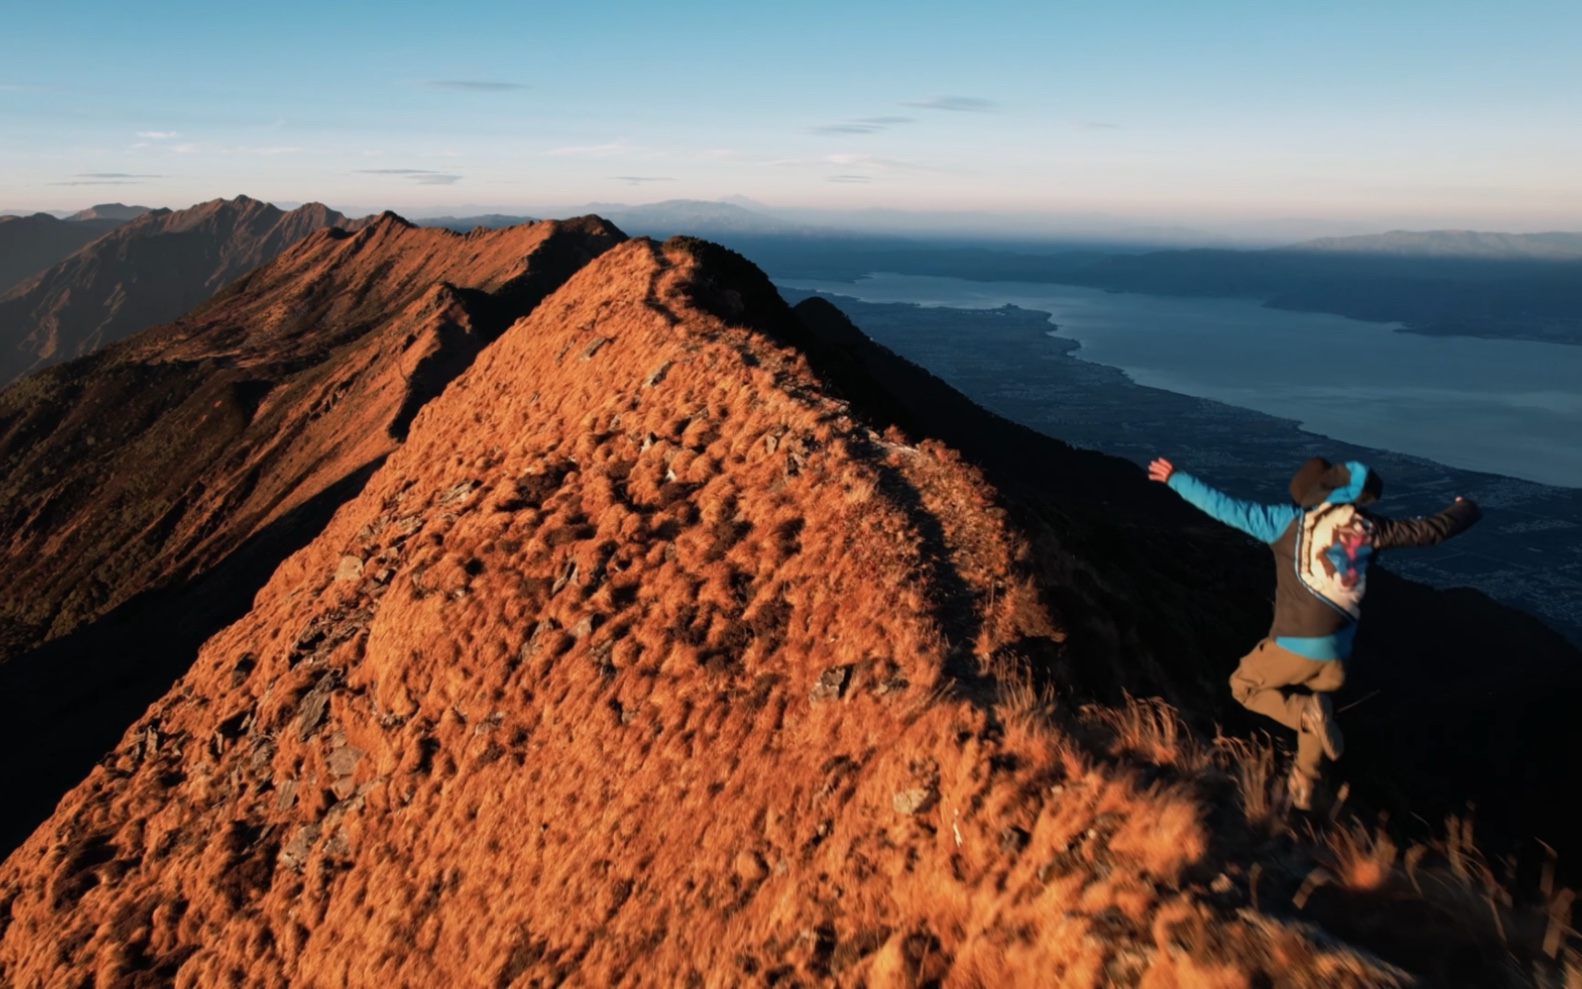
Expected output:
{"points": [[1160, 470]]}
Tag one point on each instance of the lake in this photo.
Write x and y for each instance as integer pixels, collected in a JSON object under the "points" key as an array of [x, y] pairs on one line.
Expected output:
{"points": [[1510, 407]]}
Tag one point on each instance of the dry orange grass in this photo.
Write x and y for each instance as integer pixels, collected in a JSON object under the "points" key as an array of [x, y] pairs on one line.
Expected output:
{"points": [[1437, 906], [641, 662]]}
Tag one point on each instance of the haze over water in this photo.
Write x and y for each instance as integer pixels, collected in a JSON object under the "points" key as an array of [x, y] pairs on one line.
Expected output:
{"points": [[1508, 407]]}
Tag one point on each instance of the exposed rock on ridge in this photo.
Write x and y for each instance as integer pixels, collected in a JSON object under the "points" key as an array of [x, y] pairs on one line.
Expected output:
{"points": [[149, 270], [642, 658]]}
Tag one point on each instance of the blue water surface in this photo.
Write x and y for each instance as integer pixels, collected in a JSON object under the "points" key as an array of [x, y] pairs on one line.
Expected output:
{"points": [[1511, 407]]}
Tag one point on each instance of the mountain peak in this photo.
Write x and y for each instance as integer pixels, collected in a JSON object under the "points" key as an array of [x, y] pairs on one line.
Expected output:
{"points": [[148, 270], [109, 211]]}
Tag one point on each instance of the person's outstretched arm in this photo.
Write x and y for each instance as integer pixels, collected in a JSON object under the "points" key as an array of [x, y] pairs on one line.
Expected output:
{"points": [[1427, 530], [1262, 522]]}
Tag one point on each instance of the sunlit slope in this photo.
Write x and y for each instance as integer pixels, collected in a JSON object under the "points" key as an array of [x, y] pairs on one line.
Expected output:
{"points": [[642, 659]]}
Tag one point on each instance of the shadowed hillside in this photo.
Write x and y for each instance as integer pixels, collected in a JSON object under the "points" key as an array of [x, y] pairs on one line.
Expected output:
{"points": [[149, 270], [689, 639], [29, 244]]}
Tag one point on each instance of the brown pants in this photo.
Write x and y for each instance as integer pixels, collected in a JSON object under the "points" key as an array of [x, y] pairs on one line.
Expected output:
{"points": [[1276, 683]]}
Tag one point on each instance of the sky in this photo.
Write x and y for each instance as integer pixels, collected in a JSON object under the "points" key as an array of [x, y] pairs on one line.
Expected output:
{"points": [[1440, 113]]}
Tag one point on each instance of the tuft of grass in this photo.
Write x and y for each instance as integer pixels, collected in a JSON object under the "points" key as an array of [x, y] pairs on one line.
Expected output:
{"points": [[1151, 731], [1253, 765], [1364, 858]]}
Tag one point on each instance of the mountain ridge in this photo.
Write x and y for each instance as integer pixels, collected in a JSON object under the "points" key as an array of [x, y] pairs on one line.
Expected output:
{"points": [[147, 270], [30, 244], [109, 211], [149, 488], [1486, 245], [649, 558], [693, 636]]}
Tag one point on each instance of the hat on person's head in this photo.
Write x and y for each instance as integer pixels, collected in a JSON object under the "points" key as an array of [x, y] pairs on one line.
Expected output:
{"points": [[1318, 481]]}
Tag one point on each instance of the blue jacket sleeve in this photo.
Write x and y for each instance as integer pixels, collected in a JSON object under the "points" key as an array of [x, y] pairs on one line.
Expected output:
{"points": [[1262, 522]]}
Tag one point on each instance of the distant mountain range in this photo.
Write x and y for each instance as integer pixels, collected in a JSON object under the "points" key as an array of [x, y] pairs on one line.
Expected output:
{"points": [[29, 244], [1028, 228], [145, 271], [1441, 282], [113, 269], [1466, 244], [110, 211], [664, 219]]}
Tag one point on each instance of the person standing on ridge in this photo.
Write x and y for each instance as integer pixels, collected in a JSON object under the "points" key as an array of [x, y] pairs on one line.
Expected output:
{"points": [[1322, 545]]}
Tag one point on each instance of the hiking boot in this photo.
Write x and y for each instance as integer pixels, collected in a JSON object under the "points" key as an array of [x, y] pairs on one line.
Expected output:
{"points": [[1318, 720], [1302, 790]]}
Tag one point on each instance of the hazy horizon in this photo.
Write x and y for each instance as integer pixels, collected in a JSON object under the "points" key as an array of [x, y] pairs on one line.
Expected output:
{"points": [[1461, 115], [924, 225]]}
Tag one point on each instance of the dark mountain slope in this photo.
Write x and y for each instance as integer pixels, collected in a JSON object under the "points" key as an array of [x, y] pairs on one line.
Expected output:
{"points": [[29, 244], [150, 270]]}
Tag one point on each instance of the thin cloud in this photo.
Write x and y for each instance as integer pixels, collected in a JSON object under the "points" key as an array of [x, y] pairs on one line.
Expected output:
{"points": [[640, 179], [863, 125], [102, 182], [113, 175], [422, 176], [1098, 125], [271, 150], [850, 178], [955, 104], [875, 163], [158, 135], [473, 85], [848, 129], [185, 149]]}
